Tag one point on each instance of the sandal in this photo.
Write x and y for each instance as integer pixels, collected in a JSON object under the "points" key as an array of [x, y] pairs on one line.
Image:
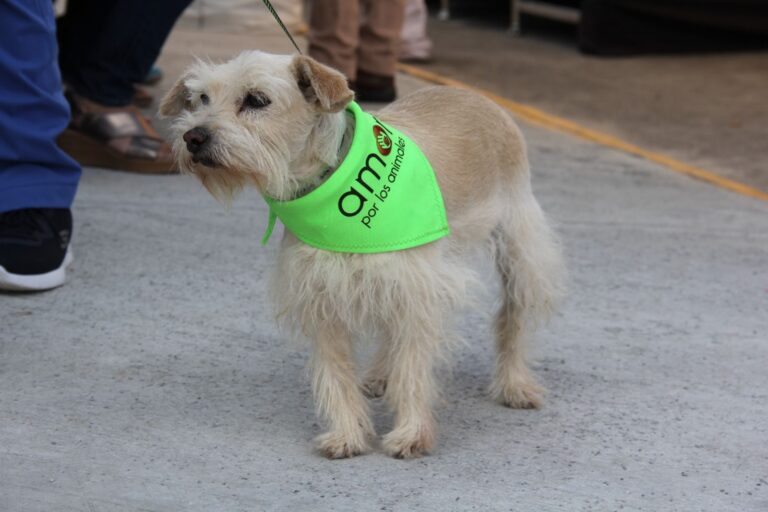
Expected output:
{"points": [[115, 138], [142, 98]]}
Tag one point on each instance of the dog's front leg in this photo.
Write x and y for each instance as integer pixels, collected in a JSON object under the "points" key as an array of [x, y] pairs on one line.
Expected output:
{"points": [[338, 397], [410, 387]]}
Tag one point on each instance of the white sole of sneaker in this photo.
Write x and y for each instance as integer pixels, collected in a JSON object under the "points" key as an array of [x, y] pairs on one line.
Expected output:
{"points": [[36, 283]]}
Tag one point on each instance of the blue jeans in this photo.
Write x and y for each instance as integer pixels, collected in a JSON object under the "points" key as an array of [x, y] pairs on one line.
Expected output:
{"points": [[34, 172]]}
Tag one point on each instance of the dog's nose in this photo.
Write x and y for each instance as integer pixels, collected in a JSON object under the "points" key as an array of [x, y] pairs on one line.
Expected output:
{"points": [[196, 139]]}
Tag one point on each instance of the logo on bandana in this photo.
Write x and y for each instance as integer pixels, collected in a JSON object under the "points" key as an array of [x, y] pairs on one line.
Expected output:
{"points": [[383, 142]]}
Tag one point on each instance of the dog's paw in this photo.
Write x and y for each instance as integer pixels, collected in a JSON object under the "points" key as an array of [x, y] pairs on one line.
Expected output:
{"points": [[335, 445], [374, 388], [408, 444], [523, 394]]}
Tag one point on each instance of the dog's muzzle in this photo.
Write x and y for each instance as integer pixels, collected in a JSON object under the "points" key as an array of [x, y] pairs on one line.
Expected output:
{"points": [[198, 141]]}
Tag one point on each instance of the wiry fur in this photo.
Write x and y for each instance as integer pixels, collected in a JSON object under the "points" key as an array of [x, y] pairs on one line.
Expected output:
{"points": [[408, 297], [282, 133]]}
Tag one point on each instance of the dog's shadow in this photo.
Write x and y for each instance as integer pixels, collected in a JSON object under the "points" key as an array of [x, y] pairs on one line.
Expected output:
{"points": [[262, 392]]}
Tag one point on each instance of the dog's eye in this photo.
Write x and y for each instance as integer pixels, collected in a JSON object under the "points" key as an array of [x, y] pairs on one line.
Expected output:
{"points": [[204, 99], [254, 101]]}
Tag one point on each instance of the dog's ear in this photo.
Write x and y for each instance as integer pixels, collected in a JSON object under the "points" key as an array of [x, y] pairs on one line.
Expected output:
{"points": [[323, 87], [176, 100]]}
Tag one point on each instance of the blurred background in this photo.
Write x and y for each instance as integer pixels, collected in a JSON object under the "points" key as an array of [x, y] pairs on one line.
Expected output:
{"points": [[686, 78]]}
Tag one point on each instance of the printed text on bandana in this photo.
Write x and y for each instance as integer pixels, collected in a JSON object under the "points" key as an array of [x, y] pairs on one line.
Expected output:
{"points": [[367, 196]]}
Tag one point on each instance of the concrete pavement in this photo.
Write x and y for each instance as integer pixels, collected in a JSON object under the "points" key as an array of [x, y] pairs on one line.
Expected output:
{"points": [[705, 109], [156, 380]]}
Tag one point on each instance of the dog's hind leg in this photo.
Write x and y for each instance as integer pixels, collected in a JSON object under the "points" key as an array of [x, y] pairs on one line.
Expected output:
{"points": [[529, 262], [375, 381], [338, 396]]}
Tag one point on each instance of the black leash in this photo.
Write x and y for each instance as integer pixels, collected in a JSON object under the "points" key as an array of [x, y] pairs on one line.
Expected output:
{"points": [[271, 9]]}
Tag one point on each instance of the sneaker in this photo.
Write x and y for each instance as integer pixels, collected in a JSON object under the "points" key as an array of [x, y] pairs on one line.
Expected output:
{"points": [[34, 248]]}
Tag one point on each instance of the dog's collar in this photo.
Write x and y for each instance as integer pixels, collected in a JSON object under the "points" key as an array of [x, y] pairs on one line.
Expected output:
{"points": [[382, 197], [323, 175]]}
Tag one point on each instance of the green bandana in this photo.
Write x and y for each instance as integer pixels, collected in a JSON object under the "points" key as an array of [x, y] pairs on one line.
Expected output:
{"points": [[382, 197]]}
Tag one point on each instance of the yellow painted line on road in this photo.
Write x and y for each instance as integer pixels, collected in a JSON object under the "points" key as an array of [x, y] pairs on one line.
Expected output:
{"points": [[541, 118]]}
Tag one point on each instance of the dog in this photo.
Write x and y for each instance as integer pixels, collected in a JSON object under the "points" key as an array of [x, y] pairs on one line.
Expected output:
{"points": [[278, 122]]}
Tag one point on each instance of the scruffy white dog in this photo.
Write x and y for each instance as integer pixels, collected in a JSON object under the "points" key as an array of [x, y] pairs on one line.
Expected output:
{"points": [[278, 123]]}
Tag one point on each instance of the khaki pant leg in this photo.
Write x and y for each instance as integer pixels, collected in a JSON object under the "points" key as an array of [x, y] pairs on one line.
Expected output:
{"points": [[334, 27], [380, 36]]}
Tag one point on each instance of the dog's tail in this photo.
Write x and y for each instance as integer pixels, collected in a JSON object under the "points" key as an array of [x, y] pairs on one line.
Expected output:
{"points": [[529, 258]]}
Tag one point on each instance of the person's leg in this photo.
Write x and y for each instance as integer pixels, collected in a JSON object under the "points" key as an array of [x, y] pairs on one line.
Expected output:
{"points": [[121, 40], [377, 53], [108, 46], [333, 34], [380, 36], [34, 172], [77, 31], [415, 45], [37, 180]]}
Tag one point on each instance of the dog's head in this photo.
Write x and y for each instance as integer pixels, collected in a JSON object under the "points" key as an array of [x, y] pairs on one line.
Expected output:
{"points": [[252, 119]]}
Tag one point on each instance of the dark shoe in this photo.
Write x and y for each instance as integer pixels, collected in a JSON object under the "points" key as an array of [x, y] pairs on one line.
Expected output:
{"points": [[376, 88], [34, 248], [119, 138]]}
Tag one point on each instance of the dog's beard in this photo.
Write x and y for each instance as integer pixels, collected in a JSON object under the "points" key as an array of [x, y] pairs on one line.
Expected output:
{"points": [[240, 158], [224, 176], [221, 180], [204, 160]]}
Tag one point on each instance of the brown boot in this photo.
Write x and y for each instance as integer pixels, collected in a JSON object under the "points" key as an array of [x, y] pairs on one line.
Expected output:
{"points": [[375, 88]]}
